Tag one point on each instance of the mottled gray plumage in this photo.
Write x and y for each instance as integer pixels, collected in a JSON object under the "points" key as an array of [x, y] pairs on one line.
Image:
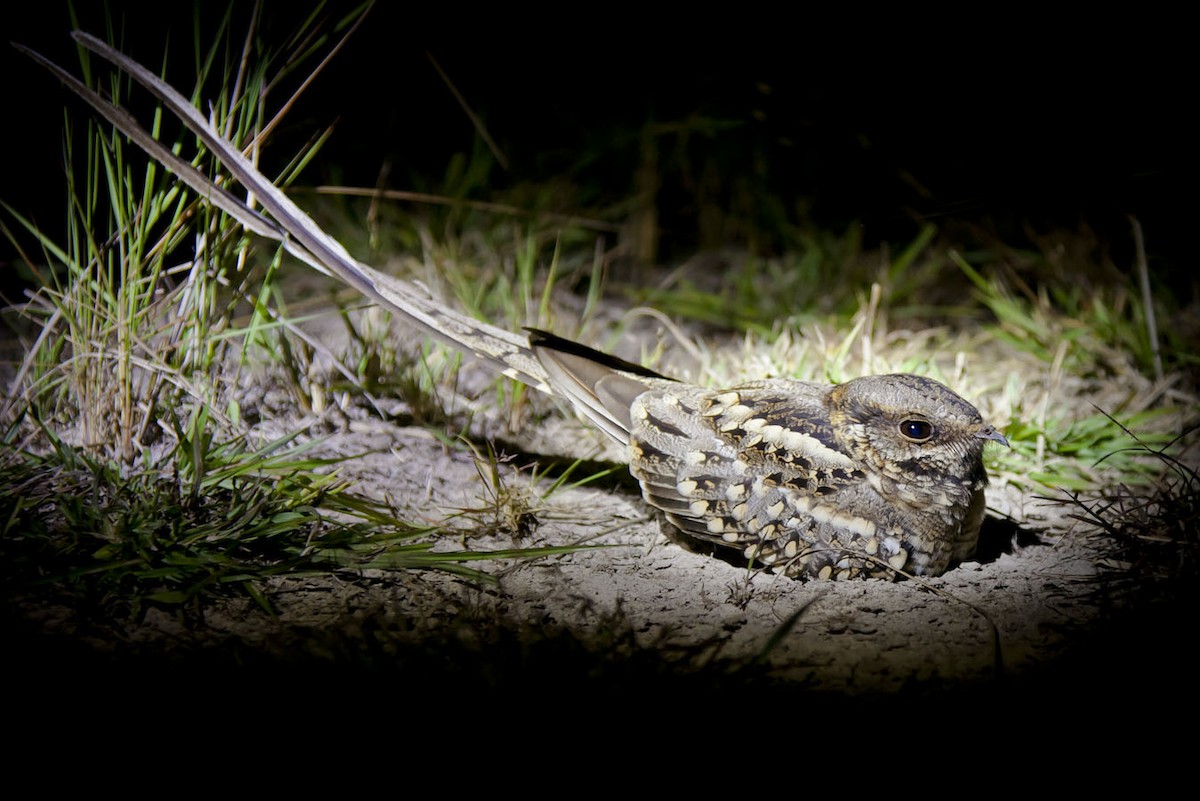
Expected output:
{"points": [[878, 475], [867, 478]]}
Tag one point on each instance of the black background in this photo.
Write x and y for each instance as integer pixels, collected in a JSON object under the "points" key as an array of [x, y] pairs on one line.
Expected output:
{"points": [[1003, 117], [1009, 121]]}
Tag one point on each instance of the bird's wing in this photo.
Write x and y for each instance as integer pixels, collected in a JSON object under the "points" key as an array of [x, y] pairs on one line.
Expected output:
{"points": [[602, 387], [726, 464]]}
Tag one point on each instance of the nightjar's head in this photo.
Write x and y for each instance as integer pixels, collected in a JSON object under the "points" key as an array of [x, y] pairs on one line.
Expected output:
{"points": [[911, 428]]}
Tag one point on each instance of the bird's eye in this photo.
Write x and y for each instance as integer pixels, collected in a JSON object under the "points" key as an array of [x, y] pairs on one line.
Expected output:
{"points": [[918, 430]]}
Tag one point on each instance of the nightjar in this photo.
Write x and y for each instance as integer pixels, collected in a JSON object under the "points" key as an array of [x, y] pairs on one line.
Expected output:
{"points": [[877, 475]]}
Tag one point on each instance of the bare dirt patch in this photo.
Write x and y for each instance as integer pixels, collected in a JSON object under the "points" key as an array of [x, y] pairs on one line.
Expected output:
{"points": [[635, 613]]}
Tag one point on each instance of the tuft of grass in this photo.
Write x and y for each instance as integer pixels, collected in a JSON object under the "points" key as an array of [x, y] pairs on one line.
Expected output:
{"points": [[1152, 532], [229, 520], [1089, 329], [128, 476], [1077, 453], [822, 277], [514, 504], [222, 519]]}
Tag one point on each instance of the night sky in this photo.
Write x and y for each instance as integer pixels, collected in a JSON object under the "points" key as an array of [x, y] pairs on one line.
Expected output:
{"points": [[879, 122]]}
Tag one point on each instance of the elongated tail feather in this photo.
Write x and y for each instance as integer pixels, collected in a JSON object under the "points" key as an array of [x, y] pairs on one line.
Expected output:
{"points": [[288, 224]]}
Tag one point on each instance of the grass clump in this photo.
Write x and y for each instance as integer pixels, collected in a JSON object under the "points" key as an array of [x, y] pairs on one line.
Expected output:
{"points": [[1152, 532], [219, 519], [129, 475]]}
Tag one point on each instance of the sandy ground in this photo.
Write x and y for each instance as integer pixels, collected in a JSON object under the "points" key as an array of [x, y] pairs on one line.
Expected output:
{"points": [[641, 617]]}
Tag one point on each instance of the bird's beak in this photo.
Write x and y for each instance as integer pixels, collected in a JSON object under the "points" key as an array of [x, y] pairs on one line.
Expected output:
{"points": [[987, 432]]}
